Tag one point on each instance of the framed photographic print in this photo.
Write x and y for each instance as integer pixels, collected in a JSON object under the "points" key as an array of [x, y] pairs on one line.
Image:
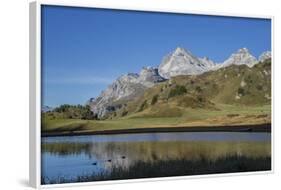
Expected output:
{"points": [[123, 94]]}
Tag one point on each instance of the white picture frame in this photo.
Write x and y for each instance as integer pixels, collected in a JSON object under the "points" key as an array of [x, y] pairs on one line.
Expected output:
{"points": [[35, 89]]}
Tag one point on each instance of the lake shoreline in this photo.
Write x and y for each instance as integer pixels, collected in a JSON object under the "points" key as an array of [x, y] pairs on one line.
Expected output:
{"points": [[231, 128]]}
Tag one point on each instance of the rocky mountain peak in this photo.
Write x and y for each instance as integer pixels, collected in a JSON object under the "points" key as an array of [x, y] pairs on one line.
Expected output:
{"points": [[243, 51], [240, 57], [180, 52], [182, 62], [265, 55], [178, 62]]}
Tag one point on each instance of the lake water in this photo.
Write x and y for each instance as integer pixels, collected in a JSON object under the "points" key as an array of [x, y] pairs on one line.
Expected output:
{"points": [[73, 156]]}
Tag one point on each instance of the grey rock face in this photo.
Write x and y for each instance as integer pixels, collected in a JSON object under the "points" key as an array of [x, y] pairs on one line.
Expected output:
{"points": [[264, 56], [123, 89], [149, 76], [207, 62], [182, 62], [241, 57]]}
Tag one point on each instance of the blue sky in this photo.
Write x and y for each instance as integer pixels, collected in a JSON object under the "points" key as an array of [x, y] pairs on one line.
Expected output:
{"points": [[84, 50]]}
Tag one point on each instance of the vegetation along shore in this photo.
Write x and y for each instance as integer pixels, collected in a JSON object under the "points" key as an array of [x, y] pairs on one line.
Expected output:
{"points": [[169, 168]]}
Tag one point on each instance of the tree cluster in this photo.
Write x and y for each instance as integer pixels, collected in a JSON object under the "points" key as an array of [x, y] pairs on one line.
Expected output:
{"points": [[67, 111]]}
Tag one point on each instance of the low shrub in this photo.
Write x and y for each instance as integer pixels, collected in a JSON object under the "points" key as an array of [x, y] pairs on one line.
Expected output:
{"points": [[177, 91]]}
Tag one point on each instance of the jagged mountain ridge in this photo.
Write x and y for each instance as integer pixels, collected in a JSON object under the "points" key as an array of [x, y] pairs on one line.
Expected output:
{"points": [[183, 62], [241, 57], [124, 88], [179, 62]]}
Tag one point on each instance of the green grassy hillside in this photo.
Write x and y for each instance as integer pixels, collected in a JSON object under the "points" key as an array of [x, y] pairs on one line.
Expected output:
{"points": [[238, 86]]}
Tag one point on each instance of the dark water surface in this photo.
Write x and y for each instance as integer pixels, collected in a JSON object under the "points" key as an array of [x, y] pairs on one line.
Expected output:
{"points": [[73, 156]]}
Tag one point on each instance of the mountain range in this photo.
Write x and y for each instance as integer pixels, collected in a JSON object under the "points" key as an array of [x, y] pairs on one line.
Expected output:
{"points": [[180, 62]]}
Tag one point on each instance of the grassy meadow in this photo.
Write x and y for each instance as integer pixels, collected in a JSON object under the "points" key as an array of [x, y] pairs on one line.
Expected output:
{"points": [[224, 116]]}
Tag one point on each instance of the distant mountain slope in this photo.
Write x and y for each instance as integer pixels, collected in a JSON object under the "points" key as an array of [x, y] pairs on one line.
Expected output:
{"points": [[234, 85], [241, 57], [183, 62], [124, 89]]}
